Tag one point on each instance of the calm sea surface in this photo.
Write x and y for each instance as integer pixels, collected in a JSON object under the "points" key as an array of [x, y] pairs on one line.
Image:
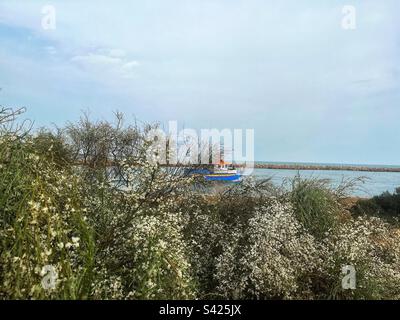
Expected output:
{"points": [[375, 183]]}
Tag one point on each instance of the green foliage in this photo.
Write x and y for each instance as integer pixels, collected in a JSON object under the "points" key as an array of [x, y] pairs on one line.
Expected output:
{"points": [[86, 201], [53, 147], [315, 205], [387, 205], [42, 223]]}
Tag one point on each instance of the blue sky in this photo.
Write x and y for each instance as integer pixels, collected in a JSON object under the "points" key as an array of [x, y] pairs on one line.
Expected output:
{"points": [[312, 91]]}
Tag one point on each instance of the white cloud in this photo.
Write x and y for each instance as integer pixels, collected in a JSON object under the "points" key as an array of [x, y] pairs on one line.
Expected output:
{"points": [[130, 65], [113, 62], [51, 50], [96, 60], [117, 53]]}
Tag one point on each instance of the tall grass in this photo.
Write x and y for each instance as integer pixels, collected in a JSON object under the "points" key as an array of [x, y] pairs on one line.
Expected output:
{"points": [[315, 205]]}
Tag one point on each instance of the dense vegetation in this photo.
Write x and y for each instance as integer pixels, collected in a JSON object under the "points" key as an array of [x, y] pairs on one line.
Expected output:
{"points": [[386, 205], [85, 200]]}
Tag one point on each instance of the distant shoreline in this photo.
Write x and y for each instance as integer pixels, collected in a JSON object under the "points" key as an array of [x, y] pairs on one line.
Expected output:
{"points": [[325, 167], [312, 167]]}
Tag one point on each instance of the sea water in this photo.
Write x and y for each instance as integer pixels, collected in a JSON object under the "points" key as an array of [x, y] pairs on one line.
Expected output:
{"points": [[373, 183]]}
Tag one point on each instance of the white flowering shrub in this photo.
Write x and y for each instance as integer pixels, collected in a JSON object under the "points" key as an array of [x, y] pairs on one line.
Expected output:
{"points": [[150, 262], [103, 241], [161, 268], [373, 248], [42, 223], [141, 246], [270, 258], [139, 235], [86, 208], [266, 251], [204, 233]]}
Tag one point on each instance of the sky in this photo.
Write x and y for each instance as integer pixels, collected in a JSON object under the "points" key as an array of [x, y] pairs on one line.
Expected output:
{"points": [[312, 90]]}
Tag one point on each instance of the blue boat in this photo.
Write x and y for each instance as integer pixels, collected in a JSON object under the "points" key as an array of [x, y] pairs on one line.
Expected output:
{"points": [[223, 177], [222, 172]]}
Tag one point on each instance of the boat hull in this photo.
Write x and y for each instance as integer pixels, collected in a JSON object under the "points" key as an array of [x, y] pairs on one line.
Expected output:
{"points": [[222, 177]]}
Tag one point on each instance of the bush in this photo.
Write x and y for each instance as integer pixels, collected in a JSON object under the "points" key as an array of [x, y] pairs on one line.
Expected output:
{"points": [[42, 223], [270, 259], [315, 205], [387, 205], [103, 241], [86, 202], [139, 243], [372, 247]]}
